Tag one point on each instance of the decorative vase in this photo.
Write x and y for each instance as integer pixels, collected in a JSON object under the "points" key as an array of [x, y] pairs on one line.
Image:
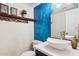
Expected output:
{"points": [[24, 15], [74, 42]]}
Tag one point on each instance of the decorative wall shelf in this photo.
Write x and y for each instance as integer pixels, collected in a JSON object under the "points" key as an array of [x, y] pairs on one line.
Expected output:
{"points": [[8, 17]]}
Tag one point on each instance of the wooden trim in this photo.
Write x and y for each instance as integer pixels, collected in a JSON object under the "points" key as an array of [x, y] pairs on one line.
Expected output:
{"points": [[7, 16]]}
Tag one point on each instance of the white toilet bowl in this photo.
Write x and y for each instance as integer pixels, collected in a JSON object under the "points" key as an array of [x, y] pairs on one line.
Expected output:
{"points": [[28, 53], [31, 53]]}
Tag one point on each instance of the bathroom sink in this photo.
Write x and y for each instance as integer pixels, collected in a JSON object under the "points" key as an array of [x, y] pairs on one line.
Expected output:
{"points": [[68, 37], [58, 43]]}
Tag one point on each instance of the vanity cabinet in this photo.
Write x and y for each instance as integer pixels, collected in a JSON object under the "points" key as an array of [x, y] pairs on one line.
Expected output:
{"points": [[38, 53]]}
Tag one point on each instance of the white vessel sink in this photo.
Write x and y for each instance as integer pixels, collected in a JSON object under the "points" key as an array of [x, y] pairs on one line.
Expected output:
{"points": [[58, 43], [68, 37]]}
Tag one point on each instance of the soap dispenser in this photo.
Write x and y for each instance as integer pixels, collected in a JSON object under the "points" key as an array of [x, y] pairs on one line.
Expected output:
{"points": [[74, 42]]}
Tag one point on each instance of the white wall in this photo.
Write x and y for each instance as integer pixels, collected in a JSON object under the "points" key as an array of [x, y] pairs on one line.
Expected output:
{"points": [[72, 20], [16, 37], [58, 24]]}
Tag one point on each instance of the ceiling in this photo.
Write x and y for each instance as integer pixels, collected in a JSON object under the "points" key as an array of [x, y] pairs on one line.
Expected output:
{"points": [[63, 7], [32, 4]]}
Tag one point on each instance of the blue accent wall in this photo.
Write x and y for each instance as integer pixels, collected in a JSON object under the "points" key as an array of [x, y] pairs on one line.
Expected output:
{"points": [[42, 25]]}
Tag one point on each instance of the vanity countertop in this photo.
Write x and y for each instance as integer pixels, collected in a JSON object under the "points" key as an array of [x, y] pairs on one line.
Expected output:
{"points": [[48, 50]]}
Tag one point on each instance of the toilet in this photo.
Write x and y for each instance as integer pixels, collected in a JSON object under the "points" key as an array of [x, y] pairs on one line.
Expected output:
{"points": [[30, 52]]}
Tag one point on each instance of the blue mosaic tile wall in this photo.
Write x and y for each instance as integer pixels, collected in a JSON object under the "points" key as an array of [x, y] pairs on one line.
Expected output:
{"points": [[42, 25]]}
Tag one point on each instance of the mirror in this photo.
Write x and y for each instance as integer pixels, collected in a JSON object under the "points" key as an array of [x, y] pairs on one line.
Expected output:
{"points": [[65, 20], [72, 22]]}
